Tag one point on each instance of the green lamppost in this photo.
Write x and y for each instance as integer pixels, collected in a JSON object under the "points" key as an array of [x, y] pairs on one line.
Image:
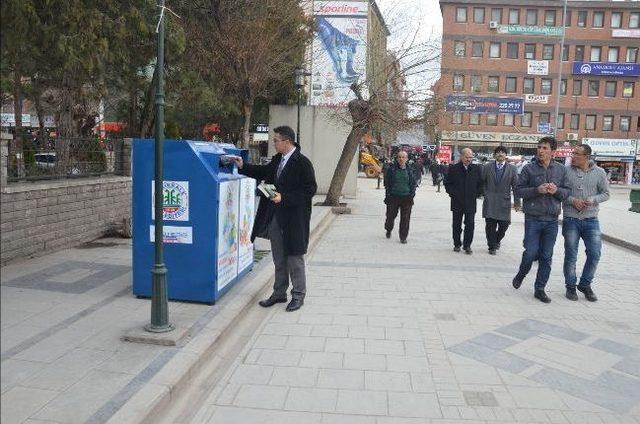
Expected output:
{"points": [[159, 299]]}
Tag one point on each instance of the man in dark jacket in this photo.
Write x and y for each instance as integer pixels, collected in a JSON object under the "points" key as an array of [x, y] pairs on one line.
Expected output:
{"points": [[463, 183], [400, 188], [542, 185], [284, 218]]}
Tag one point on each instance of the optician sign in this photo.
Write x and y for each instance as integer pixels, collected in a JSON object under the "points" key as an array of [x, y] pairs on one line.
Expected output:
{"points": [[618, 147], [536, 98], [599, 68], [625, 33], [492, 136], [530, 30], [538, 67], [476, 104]]}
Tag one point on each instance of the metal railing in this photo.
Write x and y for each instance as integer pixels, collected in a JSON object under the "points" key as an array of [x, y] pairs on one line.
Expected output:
{"points": [[57, 158]]}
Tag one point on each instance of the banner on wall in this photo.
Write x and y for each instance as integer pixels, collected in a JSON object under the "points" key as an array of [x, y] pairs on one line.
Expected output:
{"points": [[477, 104], [610, 69]]}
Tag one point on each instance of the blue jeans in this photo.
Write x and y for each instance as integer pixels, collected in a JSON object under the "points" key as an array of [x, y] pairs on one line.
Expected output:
{"points": [[588, 230], [539, 239]]}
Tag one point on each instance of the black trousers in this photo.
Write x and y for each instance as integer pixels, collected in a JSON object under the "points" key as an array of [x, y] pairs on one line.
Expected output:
{"points": [[495, 230], [469, 225], [404, 205]]}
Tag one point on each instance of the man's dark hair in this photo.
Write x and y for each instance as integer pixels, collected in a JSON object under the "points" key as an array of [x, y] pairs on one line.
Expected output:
{"points": [[286, 132], [500, 149], [551, 141], [586, 149]]}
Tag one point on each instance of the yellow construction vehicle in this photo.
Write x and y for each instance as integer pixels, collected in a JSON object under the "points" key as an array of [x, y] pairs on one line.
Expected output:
{"points": [[372, 167]]}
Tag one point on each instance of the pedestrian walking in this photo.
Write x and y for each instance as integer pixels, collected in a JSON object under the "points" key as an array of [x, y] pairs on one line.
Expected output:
{"points": [[588, 187], [542, 186], [499, 179], [463, 183], [434, 168], [285, 217], [400, 188]]}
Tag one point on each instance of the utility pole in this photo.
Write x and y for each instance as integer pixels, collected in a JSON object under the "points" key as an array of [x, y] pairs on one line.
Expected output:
{"points": [[564, 29], [299, 81]]}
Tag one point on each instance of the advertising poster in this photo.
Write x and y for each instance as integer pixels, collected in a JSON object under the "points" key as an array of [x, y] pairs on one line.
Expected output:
{"points": [[247, 214], [228, 233], [444, 154], [476, 104], [172, 234], [175, 200], [598, 68], [339, 51]]}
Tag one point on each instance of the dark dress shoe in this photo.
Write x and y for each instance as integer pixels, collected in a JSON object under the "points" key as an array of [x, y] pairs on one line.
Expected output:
{"points": [[492, 251], [498, 246], [571, 294], [272, 301], [294, 305], [541, 296], [388, 234], [517, 282], [588, 293], [456, 248], [468, 251], [403, 241]]}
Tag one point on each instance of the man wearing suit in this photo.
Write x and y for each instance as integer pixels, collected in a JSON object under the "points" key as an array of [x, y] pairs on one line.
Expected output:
{"points": [[284, 218], [464, 185], [500, 179]]}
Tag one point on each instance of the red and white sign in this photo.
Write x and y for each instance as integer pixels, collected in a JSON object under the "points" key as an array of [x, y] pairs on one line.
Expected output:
{"points": [[444, 154], [563, 152]]}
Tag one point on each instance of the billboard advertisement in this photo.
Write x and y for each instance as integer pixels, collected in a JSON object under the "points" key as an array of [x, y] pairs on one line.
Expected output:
{"points": [[609, 69], [476, 104], [339, 51], [245, 223]]}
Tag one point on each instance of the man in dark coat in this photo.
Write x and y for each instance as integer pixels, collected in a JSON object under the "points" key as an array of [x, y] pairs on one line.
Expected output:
{"points": [[400, 183], [284, 218], [464, 185], [500, 179]]}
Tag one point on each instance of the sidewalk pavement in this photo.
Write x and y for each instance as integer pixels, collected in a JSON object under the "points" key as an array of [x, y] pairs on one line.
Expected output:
{"points": [[63, 317], [416, 333], [619, 225]]}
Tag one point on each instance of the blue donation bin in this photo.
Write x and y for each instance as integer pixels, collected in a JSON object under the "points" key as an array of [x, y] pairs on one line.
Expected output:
{"points": [[208, 213]]}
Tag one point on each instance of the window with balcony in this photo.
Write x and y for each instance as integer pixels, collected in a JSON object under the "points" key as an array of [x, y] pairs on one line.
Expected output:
{"points": [[513, 50], [545, 85], [632, 55], [594, 88], [598, 20], [526, 119], [494, 50], [510, 86], [547, 51], [530, 51], [582, 18], [613, 53], [577, 88], [616, 19], [514, 16], [492, 119], [476, 83], [596, 53], [610, 89], [549, 18], [458, 82], [575, 121], [461, 14], [496, 15], [625, 123], [528, 85], [628, 89], [477, 48], [532, 17], [459, 48], [579, 55], [493, 84], [607, 123], [478, 15], [590, 123]]}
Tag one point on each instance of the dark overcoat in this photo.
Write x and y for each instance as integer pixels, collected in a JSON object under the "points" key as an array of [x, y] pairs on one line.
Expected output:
{"points": [[497, 192], [464, 186], [297, 186]]}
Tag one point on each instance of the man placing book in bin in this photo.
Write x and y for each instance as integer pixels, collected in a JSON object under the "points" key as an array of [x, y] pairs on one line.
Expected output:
{"points": [[285, 215]]}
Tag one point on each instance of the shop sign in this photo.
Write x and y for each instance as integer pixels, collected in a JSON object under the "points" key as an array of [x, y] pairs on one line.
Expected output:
{"points": [[611, 146], [609, 69], [544, 128], [538, 67], [530, 30], [477, 104], [492, 136], [625, 33], [536, 98], [563, 152]]}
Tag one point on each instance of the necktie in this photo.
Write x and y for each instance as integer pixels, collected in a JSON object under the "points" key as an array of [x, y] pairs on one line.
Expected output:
{"points": [[280, 168]]}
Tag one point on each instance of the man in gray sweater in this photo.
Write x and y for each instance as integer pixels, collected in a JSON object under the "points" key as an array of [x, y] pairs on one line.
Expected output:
{"points": [[588, 188]]}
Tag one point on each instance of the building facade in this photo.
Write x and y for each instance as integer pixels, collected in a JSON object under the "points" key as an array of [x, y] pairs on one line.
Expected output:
{"points": [[504, 56]]}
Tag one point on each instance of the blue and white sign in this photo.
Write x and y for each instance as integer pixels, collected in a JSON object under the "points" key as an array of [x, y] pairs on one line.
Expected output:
{"points": [[476, 104], [612, 69], [544, 128]]}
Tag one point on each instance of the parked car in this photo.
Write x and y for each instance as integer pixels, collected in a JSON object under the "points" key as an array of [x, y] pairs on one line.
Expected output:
{"points": [[45, 160]]}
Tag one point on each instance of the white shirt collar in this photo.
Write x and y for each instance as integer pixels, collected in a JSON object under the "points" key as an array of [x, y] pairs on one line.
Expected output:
{"points": [[285, 158]]}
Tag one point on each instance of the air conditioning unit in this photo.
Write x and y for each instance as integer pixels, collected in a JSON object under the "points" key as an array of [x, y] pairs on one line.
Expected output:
{"points": [[493, 25], [572, 136]]}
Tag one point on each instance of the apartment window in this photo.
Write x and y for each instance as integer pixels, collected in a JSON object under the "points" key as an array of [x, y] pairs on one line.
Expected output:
{"points": [[545, 117], [634, 20], [528, 85], [492, 119], [456, 118], [510, 86], [513, 50], [514, 16], [458, 82], [526, 119], [579, 53], [545, 85], [625, 123], [627, 89], [613, 54], [496, 15], [563, 87], [461, 14], [590, 123], [478, 15], [616, 19], [532, 17], [508, 120], [577, 88], [530, 51], [494, 50], [476, 48], [596, 53], [582, 18], [598, 20], [610, 89], [632, 55], [493, 85], [459, 48], [565, 53], [575, 121], [607, 123], [567, 19], [547, 52], [594, 88], [560, 121], [474, 119], [549, 18], [476, 83]]}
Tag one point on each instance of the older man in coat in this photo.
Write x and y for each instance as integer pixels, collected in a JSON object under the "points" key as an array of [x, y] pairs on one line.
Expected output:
{"points": [[284, 218], [500, 179]]}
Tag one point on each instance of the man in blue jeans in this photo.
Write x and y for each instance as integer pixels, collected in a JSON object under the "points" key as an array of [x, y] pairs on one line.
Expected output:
{"points": [[589, 187], [542, 186]]}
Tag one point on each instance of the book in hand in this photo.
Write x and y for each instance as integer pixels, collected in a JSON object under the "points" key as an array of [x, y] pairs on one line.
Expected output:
{"points": [[269, 190]]}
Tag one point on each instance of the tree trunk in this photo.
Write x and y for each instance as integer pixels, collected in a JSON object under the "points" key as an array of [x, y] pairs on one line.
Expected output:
{"points": [[247, 109], [67, 128], [38, 104], [17, 103], [133, 106]]}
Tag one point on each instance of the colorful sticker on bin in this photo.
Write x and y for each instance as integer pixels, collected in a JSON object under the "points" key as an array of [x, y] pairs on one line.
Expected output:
{"points": [[175, 235], [175, 200]]}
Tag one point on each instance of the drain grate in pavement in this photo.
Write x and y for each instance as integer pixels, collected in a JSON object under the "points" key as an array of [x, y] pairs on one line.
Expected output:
{"points": [[445, 317], [480, 399]]}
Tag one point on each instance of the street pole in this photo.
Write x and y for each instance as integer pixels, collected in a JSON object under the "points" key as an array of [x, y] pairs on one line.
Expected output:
{"points": [[299, 74], [298, 124], [557, 111], [159, 299]]}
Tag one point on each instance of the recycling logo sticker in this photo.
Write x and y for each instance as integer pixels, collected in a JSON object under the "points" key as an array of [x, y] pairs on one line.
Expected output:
{"points": [[175, 200]]}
